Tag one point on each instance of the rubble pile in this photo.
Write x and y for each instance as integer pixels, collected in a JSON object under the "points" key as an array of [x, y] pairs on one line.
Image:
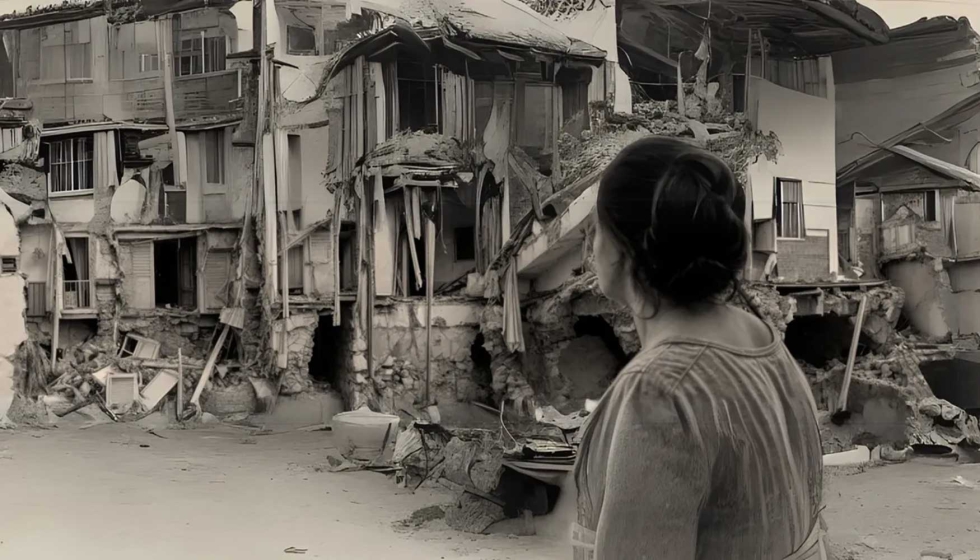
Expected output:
{"points": [[730, 136], [938, 422]]}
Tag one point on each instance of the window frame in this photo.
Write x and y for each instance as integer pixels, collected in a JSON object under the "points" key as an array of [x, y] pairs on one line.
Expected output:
{"points": [[200, 52], [934, 197], [313, 35], [222, 160], [778, 202], [70, 164]]}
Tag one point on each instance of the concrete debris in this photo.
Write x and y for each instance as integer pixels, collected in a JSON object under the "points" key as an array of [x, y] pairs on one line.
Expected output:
{"points": [[939, 422], [473, 514], [473, 462]]}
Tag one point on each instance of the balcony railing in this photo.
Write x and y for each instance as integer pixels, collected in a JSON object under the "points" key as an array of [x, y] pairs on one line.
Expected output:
{"points": [[37, 299], [78, 294]]}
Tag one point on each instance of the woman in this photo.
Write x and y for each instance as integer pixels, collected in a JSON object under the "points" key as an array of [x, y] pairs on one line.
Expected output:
{"points": [[706, 445]]}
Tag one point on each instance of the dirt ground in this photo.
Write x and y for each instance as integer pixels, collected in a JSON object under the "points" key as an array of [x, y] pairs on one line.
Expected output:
{"points": [[119, 492]]}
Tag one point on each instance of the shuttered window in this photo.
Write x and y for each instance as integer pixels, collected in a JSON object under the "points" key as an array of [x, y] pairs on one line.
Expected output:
{"points": [[138, 284], [217, 273]]}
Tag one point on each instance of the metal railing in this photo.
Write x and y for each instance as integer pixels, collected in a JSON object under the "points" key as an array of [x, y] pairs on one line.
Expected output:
{"points": [[77, 294]]}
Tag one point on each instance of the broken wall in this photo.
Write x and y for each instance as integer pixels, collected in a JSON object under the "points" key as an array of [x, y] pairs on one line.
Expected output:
{"points": [[929, 302], [13, 330], [399, 351], [805, 126]]}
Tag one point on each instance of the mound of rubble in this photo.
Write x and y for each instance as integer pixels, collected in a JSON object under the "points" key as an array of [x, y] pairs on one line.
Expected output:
{"points": [[729, 136]]}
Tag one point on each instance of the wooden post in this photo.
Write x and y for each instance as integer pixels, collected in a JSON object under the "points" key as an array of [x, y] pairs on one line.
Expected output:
{"points": [[430, 249], [180, 384], [858, 324], [748, 73], [368, 200], [56, 316], [680, 86]]}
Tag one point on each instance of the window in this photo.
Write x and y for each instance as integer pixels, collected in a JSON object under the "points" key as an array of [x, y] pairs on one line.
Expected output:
{"points": [[535, 125], [930, 206], [149, 63], [465, 244], [300, 40], [295, 257], [575, 107], [295, 150], [199, 54], [214, 156], [77, 288], [70, 165], [418, 97], [9, 264], [789, 209], [175, 273]]}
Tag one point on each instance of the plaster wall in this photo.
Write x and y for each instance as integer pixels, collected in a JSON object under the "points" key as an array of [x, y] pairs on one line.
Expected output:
{"points": [[805, 127], [597, 26], [13, 330], [78, 209], [929, 301]]}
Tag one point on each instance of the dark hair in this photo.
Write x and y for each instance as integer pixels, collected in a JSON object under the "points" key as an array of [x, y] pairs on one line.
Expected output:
{"points": [[677, 211]]}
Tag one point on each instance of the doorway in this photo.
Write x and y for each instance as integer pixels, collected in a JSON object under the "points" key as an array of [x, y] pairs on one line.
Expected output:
{"points": [[330, 361], [175, 266]]}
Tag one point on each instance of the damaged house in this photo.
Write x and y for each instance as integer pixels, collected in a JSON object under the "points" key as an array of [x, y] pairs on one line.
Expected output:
{"points": [[397, 177], [754, 84], [908, 181], [135, 171]]}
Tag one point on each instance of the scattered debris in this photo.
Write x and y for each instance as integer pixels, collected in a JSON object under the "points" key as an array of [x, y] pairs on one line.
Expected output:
{"points": [[294, 550], [964, 482], [420, 517]]}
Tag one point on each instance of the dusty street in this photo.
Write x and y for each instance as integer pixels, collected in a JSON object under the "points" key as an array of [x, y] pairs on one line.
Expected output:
{"points": [[118, 492], [211, 494]]}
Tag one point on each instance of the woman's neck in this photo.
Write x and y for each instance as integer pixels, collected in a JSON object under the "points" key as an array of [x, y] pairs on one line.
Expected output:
{"points": [[671, 320]]}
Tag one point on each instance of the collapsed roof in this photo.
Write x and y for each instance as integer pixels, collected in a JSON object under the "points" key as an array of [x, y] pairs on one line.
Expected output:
{"points": [[653, 33], [131, 10], [503, 22]]}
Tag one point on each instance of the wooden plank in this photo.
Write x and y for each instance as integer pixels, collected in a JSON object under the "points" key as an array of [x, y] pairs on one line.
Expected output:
{"points": [[430, 249], [852, 354], [209, 367]]}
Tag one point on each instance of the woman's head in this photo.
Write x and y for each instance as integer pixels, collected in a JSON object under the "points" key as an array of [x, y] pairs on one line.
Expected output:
{"points": [[670, 225]]}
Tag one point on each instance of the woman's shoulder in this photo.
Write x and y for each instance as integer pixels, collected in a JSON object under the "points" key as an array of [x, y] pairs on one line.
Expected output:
{"points": [[661, 369]]}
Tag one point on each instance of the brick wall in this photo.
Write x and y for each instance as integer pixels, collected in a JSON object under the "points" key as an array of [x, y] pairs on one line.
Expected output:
{"points": [[803, 259]]}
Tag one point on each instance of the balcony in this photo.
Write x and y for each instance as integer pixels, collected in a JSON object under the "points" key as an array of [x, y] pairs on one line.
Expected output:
{"points": [[77, 295]]}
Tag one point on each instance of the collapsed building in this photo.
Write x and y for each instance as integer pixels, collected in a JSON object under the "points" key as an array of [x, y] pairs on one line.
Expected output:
{"points": [[129, 173], [907, 186]]}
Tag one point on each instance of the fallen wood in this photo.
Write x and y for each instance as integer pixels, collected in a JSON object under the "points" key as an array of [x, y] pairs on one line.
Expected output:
{"points": [[208, 369], [841, 414], [74, 408]]}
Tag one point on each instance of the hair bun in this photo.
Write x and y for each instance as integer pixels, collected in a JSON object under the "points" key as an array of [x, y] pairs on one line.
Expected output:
{"points": [[702, 278]]}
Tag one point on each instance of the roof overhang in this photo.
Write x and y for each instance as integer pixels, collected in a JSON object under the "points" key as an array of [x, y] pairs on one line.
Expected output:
{"points": [[930, 132], [795, 28]]}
